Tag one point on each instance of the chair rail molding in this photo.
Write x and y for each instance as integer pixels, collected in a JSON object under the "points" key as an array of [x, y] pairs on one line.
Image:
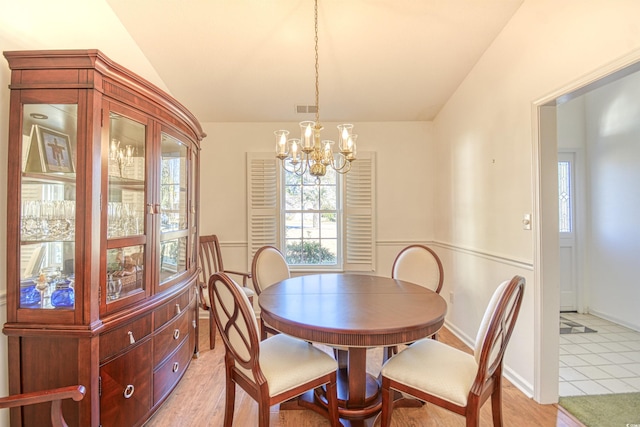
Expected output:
{"points": [[502, 259]]}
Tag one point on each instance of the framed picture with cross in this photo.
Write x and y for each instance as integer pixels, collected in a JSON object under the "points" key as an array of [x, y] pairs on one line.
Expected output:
{"points": [[54, 148]]}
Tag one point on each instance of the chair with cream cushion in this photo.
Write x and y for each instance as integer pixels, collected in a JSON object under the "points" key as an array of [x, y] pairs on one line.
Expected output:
{"points": [[453, 379], [268, 267], [210, 261], [270, 371], [417, 264]]}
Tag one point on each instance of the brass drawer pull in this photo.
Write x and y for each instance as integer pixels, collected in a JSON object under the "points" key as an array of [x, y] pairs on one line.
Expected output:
{"points": [[175, 366], [176, 334], [128, 392], [178, 310], [132, 340]]}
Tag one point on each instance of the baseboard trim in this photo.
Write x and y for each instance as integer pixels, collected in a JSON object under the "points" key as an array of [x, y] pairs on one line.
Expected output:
{"points": [[614, 319]]}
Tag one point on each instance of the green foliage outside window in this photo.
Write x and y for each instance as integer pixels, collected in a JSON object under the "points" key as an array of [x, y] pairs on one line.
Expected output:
{"points": [[309, 252]]}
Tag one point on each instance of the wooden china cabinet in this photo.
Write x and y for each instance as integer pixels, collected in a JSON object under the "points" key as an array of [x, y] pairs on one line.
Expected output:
{"points": [[101, 237]]}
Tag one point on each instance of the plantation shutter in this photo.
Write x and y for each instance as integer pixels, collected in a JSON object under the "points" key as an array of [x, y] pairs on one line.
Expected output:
{"points": [[359, 214], [263, 202]]}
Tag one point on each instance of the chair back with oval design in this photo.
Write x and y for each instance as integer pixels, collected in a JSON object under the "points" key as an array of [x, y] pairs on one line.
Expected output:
{"points": [[272, 371], [496, 328], [419, 264], [452, 378], [235, 320], [268, 267]]}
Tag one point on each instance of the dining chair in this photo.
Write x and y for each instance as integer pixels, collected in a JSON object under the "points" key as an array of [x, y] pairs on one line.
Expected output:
{"points": [[270, 371], [210, 259], [450, 378], [417, 264], [268, 267]]}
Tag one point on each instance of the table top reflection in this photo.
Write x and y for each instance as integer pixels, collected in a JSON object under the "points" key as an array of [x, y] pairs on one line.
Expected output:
{"points": [[352, 310]]}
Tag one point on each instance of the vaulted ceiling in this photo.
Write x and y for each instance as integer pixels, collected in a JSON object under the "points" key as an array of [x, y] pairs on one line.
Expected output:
{"points": [[253, 60]]}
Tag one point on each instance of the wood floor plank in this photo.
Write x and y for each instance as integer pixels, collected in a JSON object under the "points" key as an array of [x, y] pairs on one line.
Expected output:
{"points": [[199, 400]]}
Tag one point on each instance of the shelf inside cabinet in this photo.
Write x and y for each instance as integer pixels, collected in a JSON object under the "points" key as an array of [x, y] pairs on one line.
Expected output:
{"points": [[49, 177], [24, 242], [126, 183]]}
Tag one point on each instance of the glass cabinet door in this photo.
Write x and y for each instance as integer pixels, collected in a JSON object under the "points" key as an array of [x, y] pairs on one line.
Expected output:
{"points": [[126, 203], [174, 208], [48, 194], [194, 190]]}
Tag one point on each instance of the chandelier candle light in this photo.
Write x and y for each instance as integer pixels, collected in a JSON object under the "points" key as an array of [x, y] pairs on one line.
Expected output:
{"points": [[310, 152]]}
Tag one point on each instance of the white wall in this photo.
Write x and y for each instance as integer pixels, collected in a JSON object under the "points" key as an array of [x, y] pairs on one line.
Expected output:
{"points": [[43, 24], [405, 180], [613, 147], [571, 125], [485, 138]]}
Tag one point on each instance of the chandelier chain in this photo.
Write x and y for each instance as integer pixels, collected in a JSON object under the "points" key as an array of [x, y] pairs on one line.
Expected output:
{"points": [[317, 66]]}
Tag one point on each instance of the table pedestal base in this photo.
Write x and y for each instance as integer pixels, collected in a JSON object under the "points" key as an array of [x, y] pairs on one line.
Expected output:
{"points": [[350, 415], [310, 400]]}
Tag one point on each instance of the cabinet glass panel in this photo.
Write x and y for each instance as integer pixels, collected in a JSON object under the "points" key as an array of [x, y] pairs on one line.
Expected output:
{"points": [[193, 197], [173, 257], [125, 207], [125, 271], [174, 208], [173, 185], [48, 194]]}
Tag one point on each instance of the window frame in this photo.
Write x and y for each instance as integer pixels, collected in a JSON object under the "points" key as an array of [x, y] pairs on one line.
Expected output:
{"points": [[338, 265]]}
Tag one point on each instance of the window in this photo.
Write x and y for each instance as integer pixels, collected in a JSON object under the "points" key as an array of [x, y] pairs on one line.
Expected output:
{"points": [[304, 213], [311, 219], [565, 194]]}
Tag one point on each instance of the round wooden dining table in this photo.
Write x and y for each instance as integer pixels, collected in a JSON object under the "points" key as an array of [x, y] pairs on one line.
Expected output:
{"points": [[354, 312]]}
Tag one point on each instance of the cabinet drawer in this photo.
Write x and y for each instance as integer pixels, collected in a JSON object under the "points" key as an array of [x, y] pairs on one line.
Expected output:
{"points": [[169, 372], [171, 309], [114, 341], [126, 388], [170, 336]]}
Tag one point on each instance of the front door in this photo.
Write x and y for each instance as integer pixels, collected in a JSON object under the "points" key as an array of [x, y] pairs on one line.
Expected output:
{"points": [[568, 252]]}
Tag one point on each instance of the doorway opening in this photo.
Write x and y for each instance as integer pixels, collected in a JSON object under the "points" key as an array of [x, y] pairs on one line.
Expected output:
{"points": [[548, 258]]}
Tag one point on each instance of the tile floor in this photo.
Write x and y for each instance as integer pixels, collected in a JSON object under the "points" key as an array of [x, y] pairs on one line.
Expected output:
{"points": [[597, 356]]}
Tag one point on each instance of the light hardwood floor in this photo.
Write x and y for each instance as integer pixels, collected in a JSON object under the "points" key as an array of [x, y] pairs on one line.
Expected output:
{"points": [[199, 400]]}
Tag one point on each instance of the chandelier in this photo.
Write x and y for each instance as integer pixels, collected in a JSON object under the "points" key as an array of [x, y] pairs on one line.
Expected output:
{"points": [[123, 157], [310, 153]]}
